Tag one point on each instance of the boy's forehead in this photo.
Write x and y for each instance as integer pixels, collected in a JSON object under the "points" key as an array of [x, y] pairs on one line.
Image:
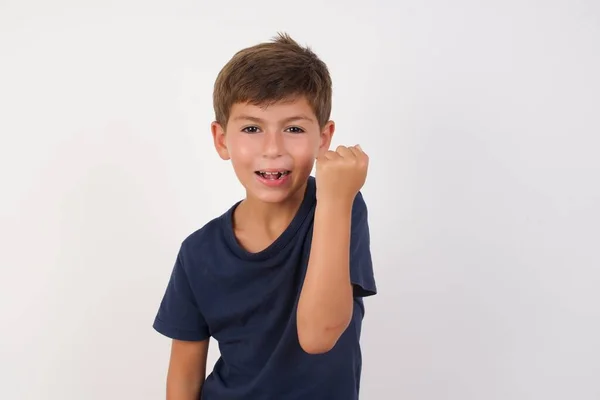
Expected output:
{"points": [[278, 110]]}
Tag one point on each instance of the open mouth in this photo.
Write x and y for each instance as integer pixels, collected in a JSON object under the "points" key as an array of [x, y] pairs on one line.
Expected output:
{"points": [[272, 175]]}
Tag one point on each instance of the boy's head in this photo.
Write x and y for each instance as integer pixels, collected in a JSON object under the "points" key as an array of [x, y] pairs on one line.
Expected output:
{"points": [[272, 106]]}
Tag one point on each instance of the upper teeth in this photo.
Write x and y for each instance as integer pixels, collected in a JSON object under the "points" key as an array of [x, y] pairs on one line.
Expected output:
{"points": [[274, 172]]}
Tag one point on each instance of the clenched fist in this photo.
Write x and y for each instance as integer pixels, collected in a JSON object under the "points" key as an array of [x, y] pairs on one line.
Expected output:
{"points": [[341, 173]]}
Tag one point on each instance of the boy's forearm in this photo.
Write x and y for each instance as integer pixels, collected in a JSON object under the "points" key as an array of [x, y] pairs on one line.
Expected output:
{"points": [[326, 301]]}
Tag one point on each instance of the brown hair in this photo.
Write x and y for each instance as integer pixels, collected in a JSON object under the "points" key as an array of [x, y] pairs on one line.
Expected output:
{"points": [[271, 72]]}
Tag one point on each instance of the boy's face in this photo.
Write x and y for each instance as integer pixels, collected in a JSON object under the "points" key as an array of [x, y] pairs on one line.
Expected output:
{"points": [[272, 149]]}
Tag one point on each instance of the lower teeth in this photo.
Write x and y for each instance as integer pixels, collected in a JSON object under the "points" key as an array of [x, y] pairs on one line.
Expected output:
{"points": [[271, 176]]}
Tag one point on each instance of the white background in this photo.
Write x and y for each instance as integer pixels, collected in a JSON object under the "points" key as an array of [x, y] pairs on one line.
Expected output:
{"points": [[482, 120]]}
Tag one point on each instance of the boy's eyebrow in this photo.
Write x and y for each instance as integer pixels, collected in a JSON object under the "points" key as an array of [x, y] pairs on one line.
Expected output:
{"points": [[300, 117]]}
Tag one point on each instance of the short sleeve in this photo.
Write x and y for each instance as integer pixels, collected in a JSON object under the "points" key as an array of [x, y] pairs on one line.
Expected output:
{"points": [[178, 316], [361, 265]]}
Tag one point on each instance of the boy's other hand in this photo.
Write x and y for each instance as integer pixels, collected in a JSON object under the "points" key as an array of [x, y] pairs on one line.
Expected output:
{"points": [[340, 174]]}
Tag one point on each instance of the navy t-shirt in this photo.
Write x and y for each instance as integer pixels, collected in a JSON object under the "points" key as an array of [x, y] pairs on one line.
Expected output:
{"points": [[247, 302]]}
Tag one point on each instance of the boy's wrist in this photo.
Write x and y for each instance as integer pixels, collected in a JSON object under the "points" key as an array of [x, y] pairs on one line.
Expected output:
{"points": [[335, 204]]}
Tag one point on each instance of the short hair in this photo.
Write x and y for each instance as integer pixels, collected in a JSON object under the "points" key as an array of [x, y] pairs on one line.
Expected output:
{"points": [[271, 72]]}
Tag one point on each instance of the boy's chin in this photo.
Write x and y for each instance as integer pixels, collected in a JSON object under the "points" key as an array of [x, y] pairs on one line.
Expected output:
{"points": [[274, 195], [267, 195], [271, 198]]}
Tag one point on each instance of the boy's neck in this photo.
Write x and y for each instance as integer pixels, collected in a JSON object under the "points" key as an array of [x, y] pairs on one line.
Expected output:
{"points": [[271, 216]]}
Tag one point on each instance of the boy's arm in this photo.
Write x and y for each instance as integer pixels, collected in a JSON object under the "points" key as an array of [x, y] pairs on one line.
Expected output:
{"points": [[187, 369], [326, 301]]}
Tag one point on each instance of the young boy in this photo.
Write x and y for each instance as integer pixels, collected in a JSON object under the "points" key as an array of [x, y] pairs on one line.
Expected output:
{"points": [[278, 279]]}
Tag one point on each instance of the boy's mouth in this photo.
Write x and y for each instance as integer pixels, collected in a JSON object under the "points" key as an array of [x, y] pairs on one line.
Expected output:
{"points": [[272, 175]]}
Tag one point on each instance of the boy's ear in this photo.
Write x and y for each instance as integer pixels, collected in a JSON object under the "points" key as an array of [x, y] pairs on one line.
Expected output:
{"points": [[326, 135], [218, 134]]}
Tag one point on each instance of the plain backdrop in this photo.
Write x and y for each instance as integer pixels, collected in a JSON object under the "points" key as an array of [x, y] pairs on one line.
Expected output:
{"points": [[482, 120]]}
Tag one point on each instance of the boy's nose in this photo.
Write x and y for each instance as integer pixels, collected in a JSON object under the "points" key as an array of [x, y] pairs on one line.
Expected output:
{"points": [[273, 145]]}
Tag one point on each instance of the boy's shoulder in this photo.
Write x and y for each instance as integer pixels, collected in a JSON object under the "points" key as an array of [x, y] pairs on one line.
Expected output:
{"points": [[206, 235]]}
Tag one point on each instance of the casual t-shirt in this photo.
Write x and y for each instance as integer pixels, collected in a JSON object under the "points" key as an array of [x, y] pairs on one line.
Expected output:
{"points": [[247, 302]]}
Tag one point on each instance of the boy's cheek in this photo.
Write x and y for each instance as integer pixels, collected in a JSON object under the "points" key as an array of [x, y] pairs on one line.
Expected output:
{"points": [[242, 149]]}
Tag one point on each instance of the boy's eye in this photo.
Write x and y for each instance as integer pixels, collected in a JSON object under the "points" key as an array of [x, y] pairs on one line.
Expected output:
{"points": [[255, 129], [250, 129]]}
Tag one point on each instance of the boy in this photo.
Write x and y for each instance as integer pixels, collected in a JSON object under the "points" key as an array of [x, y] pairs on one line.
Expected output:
{"points": [[278, 279]]}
